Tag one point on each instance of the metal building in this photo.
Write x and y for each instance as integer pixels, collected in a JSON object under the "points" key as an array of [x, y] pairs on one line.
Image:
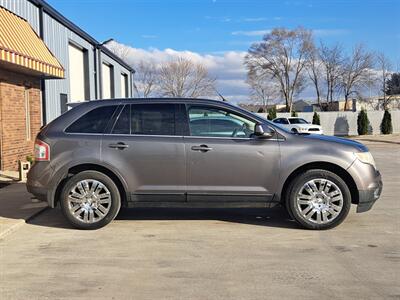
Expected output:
{"points": [[91, 70]]}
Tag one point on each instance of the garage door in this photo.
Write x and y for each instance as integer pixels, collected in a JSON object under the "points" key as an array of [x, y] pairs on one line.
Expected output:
{"points": [[77, 74]]}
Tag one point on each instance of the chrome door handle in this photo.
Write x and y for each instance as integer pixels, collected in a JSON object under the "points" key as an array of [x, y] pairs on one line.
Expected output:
{"points": [[119, 146], [202, 148]]}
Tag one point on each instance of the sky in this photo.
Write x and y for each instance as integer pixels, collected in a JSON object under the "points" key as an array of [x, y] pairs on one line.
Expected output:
{"points": [[219, 32]]}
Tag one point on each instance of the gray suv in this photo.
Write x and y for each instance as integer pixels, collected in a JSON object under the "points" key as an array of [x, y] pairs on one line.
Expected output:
{"points": [[105, 154]]}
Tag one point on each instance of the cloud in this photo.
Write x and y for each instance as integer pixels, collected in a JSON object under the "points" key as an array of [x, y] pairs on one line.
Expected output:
{"points": [[227, 66], [252, 32]]}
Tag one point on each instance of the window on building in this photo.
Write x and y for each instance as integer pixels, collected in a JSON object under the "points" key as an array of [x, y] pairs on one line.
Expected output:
{"points": [[95, 121], [124, 85], [107, 81], [27, 114], [78, 73], [63, 103]]}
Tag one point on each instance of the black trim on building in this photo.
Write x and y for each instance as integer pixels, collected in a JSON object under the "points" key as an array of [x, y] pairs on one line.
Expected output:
{"points": [[44, 6]]}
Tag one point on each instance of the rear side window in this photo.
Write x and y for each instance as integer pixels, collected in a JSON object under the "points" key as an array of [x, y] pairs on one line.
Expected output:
{"points": [[122, 126], [95, 121], [153, 119]]}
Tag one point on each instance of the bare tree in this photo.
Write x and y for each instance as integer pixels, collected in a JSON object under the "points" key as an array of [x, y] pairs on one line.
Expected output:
{"points": [[145, 79], [282, 55], [356, 73], [263, 89], [118, 49], [315, 71], [332, 62], [184, 78], [384, 66]]}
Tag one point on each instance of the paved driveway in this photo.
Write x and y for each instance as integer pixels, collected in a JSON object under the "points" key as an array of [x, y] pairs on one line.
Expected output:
{"points": [[210, 254]]}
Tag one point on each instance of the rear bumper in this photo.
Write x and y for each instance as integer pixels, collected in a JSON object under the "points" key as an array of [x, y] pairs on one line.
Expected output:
{"points": [[368, 197], [41, 182], [39, 192]]}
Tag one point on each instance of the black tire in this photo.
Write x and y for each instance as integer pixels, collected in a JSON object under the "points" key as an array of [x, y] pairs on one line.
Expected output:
{"points": [[296, 185], [107, 182], [294, 130]]}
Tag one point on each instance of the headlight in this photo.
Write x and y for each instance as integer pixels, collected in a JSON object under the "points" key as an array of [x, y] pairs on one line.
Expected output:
{"points": [[365, 157]]}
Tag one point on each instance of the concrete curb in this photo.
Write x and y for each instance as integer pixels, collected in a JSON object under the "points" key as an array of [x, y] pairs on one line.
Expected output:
{"points": [[378, 141], [20, 222]]}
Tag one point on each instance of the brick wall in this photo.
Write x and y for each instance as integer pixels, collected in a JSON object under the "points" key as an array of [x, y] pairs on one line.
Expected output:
{"points": [[14, 142]]}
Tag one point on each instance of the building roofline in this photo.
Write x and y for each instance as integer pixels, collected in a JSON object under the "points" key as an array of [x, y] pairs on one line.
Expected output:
{"points": [[67, 23]]}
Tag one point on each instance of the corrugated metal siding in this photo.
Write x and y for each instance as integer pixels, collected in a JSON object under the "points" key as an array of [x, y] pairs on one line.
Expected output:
{"points": [[118, 69], [24, 9], [57, 37]]}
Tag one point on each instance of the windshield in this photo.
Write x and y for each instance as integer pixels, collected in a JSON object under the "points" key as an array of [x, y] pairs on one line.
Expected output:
{"points": [[297, 121]]}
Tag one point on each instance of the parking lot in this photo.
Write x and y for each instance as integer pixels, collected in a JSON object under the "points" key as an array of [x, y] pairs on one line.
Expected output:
{"points": [[211, 254]]}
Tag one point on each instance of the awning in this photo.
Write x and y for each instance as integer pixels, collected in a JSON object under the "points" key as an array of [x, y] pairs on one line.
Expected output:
{"points": [[21, 46]]}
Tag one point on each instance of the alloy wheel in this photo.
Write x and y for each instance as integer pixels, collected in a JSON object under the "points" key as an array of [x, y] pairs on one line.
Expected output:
{"points": [[319, 201], [89, 201]]}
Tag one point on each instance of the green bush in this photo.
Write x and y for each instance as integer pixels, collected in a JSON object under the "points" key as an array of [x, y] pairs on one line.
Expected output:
{"points": [[315, 119], [362, 122], [386, 125], [261, 110], [271, 113], [294, 113]]}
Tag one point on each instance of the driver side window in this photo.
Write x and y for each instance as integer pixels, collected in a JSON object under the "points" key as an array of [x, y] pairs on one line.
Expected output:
{"points": [[215, 122]]}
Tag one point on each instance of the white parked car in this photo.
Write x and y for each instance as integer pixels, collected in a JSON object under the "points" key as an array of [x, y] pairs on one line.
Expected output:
{"points": [[298, 125]]}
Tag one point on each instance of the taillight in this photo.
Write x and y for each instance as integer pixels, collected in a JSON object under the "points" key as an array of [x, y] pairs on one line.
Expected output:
{"points": [[42, 151]]}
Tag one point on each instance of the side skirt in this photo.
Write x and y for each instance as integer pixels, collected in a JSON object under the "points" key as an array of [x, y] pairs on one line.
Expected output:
{"points": [[202, 204]]}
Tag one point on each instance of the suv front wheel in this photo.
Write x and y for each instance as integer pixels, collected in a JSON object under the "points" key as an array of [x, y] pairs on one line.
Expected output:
{"points": [[318, 199], [90, 200]]}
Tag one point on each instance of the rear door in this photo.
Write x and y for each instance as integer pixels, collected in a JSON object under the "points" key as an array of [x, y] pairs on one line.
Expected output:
{"points": [[146, 147], [225, 162]]}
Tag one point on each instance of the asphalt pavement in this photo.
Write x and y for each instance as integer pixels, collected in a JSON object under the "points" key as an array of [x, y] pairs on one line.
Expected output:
{"points": [[210, 253]]}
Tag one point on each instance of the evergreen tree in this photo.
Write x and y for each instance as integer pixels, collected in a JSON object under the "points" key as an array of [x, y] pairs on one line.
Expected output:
{"points": [[271, 113], [393, 84], [362, 122], [294, 113], [386, 125], [315, 119]]}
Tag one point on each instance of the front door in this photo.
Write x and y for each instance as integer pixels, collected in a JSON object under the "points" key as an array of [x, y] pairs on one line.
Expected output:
{"points": [[146, 149], [225, 162]]}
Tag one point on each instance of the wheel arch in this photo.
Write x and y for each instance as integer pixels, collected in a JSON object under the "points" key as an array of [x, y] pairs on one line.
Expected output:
{"points": [[338, 170], [94, 167]]}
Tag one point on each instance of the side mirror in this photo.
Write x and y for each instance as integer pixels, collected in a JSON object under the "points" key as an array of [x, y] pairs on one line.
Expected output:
{"points": [[263, 131]]}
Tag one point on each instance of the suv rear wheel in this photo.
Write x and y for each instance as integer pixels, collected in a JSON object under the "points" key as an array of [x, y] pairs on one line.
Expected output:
{"points": [[90, 200], [318, 199]]}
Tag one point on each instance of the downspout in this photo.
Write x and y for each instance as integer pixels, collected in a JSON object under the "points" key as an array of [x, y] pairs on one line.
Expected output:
{"points": [[42, 81], [131, 85], [95, 71], [100, 72]]}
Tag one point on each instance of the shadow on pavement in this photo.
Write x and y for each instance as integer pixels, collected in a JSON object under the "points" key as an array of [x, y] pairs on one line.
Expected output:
{"points": [[273, 217]]}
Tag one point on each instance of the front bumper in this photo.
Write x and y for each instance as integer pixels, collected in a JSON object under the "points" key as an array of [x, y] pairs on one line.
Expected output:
{"points": [[368, 197], [368, 181]]}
